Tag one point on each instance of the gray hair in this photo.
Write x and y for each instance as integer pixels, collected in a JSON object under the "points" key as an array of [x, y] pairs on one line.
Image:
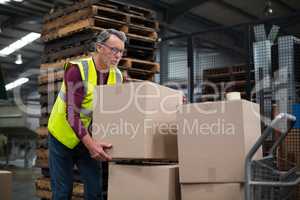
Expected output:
{"points": [[105, 34]]}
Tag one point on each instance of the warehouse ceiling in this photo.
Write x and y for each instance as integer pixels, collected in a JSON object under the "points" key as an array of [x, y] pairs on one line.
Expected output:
{"points": [[18, 18]]}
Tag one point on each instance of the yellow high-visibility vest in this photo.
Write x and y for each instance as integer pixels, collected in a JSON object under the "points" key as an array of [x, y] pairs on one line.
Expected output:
{"points": [[58, 124]]}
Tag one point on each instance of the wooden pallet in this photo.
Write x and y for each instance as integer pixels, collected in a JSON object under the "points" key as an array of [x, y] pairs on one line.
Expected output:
{"points": [[42, 143], [99, 24], [46, 195], [43, 184], [99, 11], [142, 22], [47, 100], [136, 69], [67, 10], [126, 63], [54, 65], [241, 68], [59, 65], [137, 10], [89, 37], [116, 5], [84, 49], [95, 24], [222, 75], [235, 83], [77, 39], [44, 120], [141, 54], [46, 109], [67, 19], [141, 32], [41, 163], [136, 52], [42, 153], [42, 132], [134, 74], [141, 43], [50, 88], [42, 158], [134, 64], [127, 8], [51, 77], [112, 4]]}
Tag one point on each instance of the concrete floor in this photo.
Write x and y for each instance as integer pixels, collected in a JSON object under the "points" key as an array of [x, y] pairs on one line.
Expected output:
{"points": [[23, 186]]}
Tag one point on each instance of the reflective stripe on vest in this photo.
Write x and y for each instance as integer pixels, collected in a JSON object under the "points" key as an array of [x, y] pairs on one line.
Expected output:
{"points": [[58, 125]]}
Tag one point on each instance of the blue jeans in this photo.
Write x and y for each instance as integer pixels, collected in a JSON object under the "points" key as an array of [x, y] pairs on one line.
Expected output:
{"points": [[61, 163]]}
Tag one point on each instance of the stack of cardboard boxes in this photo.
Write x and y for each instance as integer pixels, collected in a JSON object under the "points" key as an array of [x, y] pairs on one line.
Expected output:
{"points": [[137, 118], [214, 139], [144, 121]]}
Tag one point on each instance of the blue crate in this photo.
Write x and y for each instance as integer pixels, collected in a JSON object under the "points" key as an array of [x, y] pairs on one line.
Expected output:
{"points": [[296, 113]]}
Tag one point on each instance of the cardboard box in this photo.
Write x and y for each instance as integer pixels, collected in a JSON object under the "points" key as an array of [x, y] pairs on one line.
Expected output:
{"points": [[227, 191], [137, 118], [214, 139], [6, 185], [134, 182]]}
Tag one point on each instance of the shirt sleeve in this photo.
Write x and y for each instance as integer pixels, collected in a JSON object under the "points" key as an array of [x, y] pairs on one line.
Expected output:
{"points": [[74, 98]]}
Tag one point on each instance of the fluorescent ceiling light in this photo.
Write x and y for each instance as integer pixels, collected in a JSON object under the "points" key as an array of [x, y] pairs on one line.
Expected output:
{"points": [[19, 43], [16, 83], [6, 1]]}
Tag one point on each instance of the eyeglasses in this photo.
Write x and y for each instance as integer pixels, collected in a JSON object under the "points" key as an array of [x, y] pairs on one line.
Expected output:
{"points": [[114, 50]]}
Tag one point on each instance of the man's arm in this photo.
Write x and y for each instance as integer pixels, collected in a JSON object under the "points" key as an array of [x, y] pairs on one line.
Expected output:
{"points": [[74, 98]]}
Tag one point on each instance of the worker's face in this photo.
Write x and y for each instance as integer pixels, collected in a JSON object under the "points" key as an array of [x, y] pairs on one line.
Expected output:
{"points": [[111, 51]]}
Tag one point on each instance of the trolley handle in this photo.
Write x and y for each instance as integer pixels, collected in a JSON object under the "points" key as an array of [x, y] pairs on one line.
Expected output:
{"points": [[290, 121], [283, 135], [282, 117]]}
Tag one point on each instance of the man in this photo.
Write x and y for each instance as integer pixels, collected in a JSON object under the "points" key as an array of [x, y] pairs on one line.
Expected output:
{"points": [[69, 124]]}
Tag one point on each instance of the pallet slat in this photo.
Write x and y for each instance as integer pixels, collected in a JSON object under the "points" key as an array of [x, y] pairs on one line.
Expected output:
{"points": [[128, 63], [67, 19], [51, 77], [143, 22], [91, 23], [42, 132], [50, 88], [43, 185], [97, 10], [98, 24]]}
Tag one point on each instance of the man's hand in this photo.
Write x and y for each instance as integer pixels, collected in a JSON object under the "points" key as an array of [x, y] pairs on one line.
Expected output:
{"points": [[97, 149]]}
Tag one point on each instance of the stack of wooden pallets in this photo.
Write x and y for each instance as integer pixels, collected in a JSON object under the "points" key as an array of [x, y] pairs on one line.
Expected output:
{"points": [[219, 81], [70, 34]]}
